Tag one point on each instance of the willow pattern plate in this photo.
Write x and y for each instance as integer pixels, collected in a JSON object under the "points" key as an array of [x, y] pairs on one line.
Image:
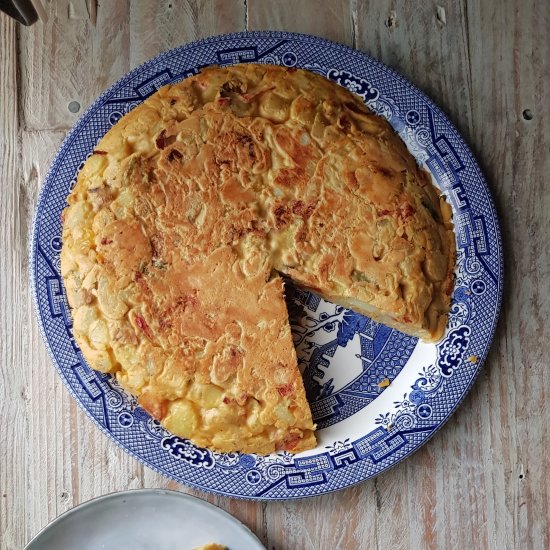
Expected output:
{"points": [[365, 425]]}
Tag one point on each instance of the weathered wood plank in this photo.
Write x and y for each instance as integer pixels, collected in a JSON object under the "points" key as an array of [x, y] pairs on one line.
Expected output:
{"points": [[424, 41], [510, 74], [158, 26], [341, 520], [332, 20], [13, 352], [70, 60]]}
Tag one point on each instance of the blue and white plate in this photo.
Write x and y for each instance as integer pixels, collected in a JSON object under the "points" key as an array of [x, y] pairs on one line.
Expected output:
{"points": [[365, 425]]}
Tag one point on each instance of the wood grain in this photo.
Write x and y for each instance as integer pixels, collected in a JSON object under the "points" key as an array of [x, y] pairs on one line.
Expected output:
{"points": [[484, 480], [411, 38], [156, 28], [53, 56], [13, 413], [332, 20], [124, 35]]}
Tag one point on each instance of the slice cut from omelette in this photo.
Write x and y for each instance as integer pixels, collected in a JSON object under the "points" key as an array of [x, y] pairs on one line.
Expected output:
{"points": [[190, 207]]}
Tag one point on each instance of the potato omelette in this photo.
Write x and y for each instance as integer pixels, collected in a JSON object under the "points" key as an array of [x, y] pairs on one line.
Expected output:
{"points": [[191, 207]]}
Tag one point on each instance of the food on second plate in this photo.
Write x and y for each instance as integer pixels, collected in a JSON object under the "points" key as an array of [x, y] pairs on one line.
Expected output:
{"points": [[194, 203]]}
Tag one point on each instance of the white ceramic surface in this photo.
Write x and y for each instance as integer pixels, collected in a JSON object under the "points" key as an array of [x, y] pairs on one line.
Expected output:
{"points": [[146, 519]]}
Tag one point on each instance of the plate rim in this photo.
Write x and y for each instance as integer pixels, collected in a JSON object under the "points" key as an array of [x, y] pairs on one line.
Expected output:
{"points": [[130, 493], [89, 111]]}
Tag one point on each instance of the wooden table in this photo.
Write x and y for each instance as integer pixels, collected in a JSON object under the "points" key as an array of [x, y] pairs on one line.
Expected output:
{"points": [[484, 480]]}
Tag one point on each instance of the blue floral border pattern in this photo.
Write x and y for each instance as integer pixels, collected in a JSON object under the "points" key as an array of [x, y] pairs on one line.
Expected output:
{"points": [[438, 387]]}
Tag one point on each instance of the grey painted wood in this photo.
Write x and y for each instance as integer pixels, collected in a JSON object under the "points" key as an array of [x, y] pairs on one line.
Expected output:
{"points": [[483, 480], [333, 20]]}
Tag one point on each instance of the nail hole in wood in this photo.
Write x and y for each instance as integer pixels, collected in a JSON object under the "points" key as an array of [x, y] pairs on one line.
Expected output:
{"points": [[528, 114], [521, 476], [74, 106]]}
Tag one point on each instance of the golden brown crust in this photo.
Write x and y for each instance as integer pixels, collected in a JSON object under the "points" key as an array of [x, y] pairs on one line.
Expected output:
{"points": [[188, 204]]}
